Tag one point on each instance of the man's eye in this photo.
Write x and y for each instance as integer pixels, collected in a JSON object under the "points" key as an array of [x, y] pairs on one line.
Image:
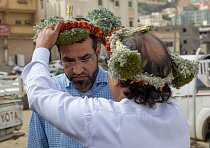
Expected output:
{"points": [[85, 59], [68, 61]]}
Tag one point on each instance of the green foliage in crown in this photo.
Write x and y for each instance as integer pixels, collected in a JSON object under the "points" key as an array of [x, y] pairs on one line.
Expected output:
{"points": [[72, 36], [124, 63], [183, 70], [105, 19], [52, 21], [66, 37]]}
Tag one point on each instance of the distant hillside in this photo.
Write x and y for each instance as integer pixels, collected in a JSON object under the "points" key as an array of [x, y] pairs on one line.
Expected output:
{"points": [[144, 8]]}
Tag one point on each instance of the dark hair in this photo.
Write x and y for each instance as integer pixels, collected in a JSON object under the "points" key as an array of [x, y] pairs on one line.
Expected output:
{"points": [[95, 41], [158, 63]]}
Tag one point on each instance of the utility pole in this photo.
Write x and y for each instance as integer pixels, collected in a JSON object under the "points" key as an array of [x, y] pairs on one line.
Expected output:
{"points": [[6, 50], [45, 9], [194, 141], [175, 24]]}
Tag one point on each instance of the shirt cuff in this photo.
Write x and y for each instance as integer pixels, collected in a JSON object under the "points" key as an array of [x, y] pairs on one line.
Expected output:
{"points": [[41, 54]]}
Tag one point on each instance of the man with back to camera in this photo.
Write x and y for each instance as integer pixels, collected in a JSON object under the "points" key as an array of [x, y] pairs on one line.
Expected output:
{"points": [[143, 107], [82, 76]]}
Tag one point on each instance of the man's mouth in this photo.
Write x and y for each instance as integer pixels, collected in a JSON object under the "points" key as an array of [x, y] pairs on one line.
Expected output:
{"points": [[78, 78]]}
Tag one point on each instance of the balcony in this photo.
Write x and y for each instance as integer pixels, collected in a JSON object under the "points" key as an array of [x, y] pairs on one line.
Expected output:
{"points": [[3, 5], [21, 29], [205, 38]]}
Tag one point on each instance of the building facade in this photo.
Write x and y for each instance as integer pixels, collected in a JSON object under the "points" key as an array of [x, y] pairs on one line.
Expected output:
{"points": [[194, 17], [168, 38], [125, 10], [155, 19], [17, 18], [205, 38], [153, 2], [189, 38]]}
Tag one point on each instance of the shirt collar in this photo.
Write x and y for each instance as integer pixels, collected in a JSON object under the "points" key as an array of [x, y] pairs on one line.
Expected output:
{"points": [[102, 77]]}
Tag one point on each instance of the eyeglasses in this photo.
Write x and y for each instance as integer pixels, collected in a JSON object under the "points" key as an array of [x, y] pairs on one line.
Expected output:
{"points": [[86, 61]]}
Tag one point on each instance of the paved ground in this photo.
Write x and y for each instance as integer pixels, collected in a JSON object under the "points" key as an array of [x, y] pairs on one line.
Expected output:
{"points": [[200, 145]]}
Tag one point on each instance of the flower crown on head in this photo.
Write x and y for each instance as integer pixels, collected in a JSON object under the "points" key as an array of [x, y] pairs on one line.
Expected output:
{"points": [[98, 23], [125, 64]]}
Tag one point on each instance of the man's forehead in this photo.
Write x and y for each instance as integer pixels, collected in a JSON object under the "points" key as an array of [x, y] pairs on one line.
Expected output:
{"points": [[77, 56], [75, 53]]}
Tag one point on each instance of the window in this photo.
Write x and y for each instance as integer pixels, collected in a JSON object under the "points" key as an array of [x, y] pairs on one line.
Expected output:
{"points": [[117, 3], [29, 22], [185, 41], [130, 23], [22, 1], [184, 52], [100, 3], [201, 68], [204, 67], [184, 30], [130, 4], [18, 22], [169, 44], [42, 4]]}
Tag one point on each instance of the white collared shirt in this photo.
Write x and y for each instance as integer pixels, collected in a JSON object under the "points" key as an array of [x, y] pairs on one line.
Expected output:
{"points": [[101, 123]]}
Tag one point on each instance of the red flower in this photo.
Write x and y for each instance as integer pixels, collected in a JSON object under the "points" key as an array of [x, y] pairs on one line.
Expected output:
{"points": [[62, 28], [107, 39], [98, 32], [141, 83], [76, 24]]}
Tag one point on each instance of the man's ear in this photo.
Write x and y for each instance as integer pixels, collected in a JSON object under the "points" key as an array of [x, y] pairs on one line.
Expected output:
{"points": [[98, 50]]}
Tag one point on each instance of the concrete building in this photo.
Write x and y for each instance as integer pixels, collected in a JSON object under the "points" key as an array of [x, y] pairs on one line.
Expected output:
{"points": [[155, 19], [182, 4], [205, 38], [189, 41], [17, 18], [189, 38], [194, 17], [125, 10], [169, 11], [203, 4], [153, 2], [168, 39]]}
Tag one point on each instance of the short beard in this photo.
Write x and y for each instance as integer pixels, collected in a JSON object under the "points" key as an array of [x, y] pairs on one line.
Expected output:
{"points": [[82, 85]]}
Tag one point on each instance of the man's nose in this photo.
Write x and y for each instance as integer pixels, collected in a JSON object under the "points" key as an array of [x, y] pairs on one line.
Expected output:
{"points": [[78, 68]]}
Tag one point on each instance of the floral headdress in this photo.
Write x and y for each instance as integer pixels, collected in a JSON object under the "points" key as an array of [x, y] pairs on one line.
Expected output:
{"points": [[125, 64], [98, 23]]}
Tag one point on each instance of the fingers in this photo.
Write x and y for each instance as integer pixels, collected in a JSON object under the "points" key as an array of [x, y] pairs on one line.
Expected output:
{"points": [[38, 31], [58, 26], [47, 37], [49, 27]]}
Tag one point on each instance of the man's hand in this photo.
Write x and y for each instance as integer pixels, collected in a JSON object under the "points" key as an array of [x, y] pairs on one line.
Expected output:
{"points": [[48, 36]]}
